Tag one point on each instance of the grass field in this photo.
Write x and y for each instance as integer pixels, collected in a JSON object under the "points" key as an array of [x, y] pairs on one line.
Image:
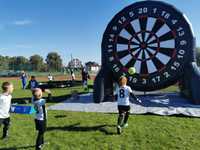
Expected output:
{"points": [[97, 131], [26, 94]]}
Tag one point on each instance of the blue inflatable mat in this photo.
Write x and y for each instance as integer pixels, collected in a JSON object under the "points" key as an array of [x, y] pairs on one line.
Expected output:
{"points": [[158, 103], [19, 109]]}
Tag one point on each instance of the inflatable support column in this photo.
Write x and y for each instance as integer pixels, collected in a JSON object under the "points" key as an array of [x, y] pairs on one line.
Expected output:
{"points": [[190, 84]]}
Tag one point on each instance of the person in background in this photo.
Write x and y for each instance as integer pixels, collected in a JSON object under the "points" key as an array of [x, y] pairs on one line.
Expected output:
{"points": [[5, 104], [33, 83], [50, 77], [40, 117], [23, 79], [72, 75], [85, 77]]}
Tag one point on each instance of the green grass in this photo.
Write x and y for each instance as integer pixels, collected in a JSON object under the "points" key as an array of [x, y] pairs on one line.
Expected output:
{"points": [[96, 131], [172, 88], [19, 93]]}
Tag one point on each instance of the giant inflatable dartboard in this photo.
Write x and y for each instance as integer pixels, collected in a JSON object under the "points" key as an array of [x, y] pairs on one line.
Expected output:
{"points": [[152, 36]]}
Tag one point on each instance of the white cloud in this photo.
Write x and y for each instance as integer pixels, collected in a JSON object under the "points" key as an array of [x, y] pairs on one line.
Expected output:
{"points": [[23, 46], [22, 22], [3, 49]]}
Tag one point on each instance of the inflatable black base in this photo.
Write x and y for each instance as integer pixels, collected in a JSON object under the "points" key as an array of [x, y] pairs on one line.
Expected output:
{"points": [[59, 84]]}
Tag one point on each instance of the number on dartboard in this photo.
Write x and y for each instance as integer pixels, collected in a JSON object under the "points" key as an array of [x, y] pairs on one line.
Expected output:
{"points": [[154, 10], [121, 93], [181, 32], [165, 14], [175, 65], [133, 80], [122, 20], [183, 42], [144, 81], [156, 79], [166, 74], [142, 10]]}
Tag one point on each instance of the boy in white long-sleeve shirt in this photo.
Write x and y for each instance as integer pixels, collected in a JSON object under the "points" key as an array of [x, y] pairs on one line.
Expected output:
{"points": [[5, 103]]}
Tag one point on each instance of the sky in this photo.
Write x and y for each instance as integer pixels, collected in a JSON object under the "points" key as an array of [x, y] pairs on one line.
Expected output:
{"points": [[29, 27]]}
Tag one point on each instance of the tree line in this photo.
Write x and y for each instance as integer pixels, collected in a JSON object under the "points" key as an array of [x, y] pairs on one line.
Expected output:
{"points": [[53, 63]]}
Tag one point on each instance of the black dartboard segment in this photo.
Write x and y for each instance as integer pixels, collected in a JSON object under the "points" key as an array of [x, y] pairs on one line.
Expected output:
{"points": [[152, 36]]}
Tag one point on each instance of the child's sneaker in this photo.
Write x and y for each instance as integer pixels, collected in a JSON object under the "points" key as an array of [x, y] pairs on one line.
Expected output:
{"points": [[5, 135], [119, 129], [139, 100], [125, 125], [4, 138], [38, 147]]}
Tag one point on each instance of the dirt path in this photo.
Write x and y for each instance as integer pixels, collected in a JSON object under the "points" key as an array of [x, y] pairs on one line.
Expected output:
{"points": [[44, 78]]}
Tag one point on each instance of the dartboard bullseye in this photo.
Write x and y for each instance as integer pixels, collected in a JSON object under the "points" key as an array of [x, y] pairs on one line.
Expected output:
{"points": [[151, 36]]}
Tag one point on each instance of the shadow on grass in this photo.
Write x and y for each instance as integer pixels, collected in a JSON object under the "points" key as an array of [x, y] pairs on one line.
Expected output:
{"points": [[60, 116], [53, 99], [18, 148], [78, 128]]}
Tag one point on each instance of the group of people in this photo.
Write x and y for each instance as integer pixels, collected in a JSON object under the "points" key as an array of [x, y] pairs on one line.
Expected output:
{"points": [[123, 94], [38, 103], [32, 83], [85, 76]]}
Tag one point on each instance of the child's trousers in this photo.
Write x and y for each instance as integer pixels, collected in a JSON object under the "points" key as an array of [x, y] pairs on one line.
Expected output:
{"points": [[41, 128], [6, 125], [123, 110]]}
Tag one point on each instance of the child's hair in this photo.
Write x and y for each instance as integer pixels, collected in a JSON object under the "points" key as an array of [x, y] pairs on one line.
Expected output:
{"points": [[5, 86], [122, 81], [37, 93], [32, 77]]}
